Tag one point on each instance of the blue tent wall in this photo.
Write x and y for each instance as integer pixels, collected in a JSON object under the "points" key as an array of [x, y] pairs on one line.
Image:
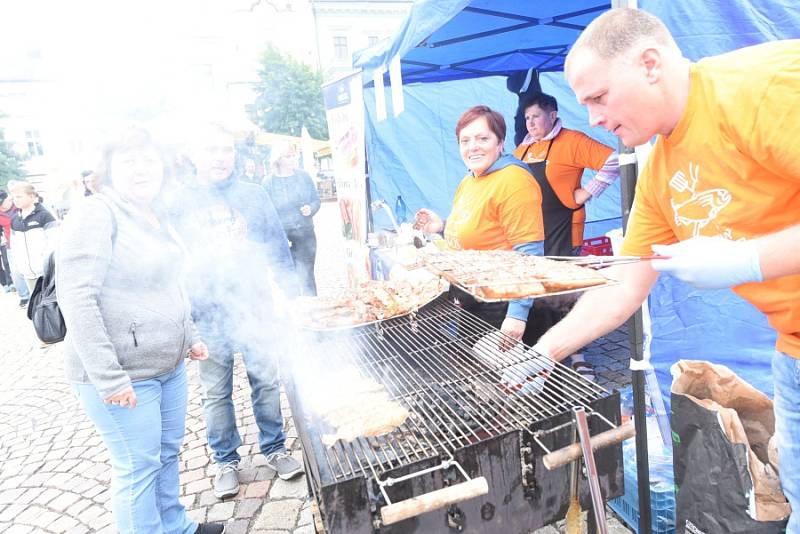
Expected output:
{"points": [[415, 154]]}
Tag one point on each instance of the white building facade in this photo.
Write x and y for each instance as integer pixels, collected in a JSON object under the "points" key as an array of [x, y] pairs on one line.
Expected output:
{"points": [[344, 27]]}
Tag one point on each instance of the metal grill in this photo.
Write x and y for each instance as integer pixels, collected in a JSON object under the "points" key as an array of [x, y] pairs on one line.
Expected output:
{"points": [[429, 362]]}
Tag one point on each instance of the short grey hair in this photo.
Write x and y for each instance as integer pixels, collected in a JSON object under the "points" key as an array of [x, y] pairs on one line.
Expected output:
{"points": [[616, 31]]}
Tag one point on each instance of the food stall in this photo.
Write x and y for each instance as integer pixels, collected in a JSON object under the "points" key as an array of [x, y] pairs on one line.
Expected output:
{"points": [[454, 54]]}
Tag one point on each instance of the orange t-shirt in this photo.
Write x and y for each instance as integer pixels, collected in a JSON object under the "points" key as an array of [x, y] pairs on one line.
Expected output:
{"points": [[495, 211], [571, 153], [731, 168]]}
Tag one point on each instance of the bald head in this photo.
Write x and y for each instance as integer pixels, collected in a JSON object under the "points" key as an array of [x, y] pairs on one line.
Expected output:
{"points": [[630, 74], [616, 32]]}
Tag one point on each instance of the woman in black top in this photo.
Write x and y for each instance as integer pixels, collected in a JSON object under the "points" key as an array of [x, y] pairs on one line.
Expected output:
{"points": [[295, 198]]}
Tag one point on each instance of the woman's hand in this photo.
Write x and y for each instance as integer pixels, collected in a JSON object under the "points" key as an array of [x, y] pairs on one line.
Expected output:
{"points": [[199, 351], [305, 210], [513, 328], [124, 399], [581, 196], [428, 221]]}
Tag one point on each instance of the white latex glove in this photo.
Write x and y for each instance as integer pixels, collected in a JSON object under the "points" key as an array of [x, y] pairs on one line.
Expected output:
{"points": [[710, 262], [529, 376]]}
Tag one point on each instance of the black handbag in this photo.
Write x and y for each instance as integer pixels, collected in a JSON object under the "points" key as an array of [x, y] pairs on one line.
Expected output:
{"points": [[43, 308]]}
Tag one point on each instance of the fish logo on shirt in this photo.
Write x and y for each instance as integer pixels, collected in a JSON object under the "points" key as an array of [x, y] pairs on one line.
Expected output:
{"points": [[700, 208]]}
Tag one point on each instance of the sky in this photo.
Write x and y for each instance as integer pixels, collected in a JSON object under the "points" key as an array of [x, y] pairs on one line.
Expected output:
{"points": [[104, 59]]}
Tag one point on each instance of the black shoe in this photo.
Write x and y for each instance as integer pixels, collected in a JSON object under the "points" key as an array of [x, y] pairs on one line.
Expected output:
{"points": [[23, 303], [210, 528]]}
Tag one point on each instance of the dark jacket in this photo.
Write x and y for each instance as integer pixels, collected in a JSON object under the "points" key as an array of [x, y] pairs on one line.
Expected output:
{"points": [[234, 240], [289, 194]]}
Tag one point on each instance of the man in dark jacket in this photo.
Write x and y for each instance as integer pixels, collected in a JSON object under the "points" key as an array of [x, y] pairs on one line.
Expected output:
{"points": [[235, 241]]}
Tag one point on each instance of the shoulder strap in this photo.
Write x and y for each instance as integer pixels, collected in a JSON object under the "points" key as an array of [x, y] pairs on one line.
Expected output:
{"points": [[102, 198]]}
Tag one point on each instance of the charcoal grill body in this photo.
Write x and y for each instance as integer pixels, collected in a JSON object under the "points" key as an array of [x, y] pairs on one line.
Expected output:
{"points": [[523, 494]]}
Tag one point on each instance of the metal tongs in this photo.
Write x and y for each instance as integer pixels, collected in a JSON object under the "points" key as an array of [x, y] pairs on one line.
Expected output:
{"points": [[599, 262]]}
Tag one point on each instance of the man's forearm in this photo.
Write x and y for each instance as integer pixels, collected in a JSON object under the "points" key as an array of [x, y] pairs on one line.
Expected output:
{"points": [[600, 311], [779, 253]]}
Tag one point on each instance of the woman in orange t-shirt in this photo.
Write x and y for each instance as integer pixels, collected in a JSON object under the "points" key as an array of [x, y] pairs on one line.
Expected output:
{"points": [[497, 206]]}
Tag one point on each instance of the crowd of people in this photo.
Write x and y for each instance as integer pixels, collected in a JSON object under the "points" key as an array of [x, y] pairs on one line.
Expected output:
{"points": [[139, 290]]}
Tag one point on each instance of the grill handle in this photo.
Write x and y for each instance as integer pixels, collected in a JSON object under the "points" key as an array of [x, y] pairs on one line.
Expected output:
{"points": [[562, 457], [393, 513]]}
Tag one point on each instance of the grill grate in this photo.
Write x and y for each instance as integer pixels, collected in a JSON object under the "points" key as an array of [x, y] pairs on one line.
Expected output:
{"points": [[429, 362]]}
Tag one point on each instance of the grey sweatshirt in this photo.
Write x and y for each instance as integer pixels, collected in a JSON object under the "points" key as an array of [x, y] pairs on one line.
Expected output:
{"points": [[118, 283]]}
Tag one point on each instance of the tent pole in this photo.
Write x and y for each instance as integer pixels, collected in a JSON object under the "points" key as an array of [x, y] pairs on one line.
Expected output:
{"points": [[627, 170]]}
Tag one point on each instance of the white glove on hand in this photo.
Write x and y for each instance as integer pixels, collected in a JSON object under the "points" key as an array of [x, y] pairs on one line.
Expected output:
{"points": [[529, 377], [710, 262]]}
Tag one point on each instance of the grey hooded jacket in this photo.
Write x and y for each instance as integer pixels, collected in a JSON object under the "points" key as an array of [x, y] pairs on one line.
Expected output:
{"points": [[118, 283]]}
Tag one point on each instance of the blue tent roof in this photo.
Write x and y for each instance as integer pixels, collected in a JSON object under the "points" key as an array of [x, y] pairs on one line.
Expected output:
{"points": [[456, 39]]}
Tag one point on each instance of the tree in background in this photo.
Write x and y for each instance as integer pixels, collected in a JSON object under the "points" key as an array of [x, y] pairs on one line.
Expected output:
{"points": [[289, 96], [10, 162]]}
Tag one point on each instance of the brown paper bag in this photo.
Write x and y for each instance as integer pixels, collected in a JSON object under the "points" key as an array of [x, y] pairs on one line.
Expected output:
{"points": [[746, 417]]}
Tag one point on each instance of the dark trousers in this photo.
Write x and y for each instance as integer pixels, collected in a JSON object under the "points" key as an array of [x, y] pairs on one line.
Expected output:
{"points": [[547, 311], [303, 242], [491, 312], [6, 278]]}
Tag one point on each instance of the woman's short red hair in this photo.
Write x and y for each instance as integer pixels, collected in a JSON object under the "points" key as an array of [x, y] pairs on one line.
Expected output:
{"points": [[495, 121]]}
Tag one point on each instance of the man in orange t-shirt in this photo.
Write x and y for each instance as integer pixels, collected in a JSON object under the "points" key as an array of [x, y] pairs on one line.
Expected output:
{"points": [[719, 195], [557, 157]]}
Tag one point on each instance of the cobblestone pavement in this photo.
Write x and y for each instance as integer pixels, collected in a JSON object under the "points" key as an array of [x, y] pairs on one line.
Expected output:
{"points": [[54, 471]]}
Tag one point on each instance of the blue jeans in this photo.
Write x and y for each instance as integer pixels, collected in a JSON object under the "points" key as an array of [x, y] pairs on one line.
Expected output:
{"points": [[216, 374], [19, 280], [786, 378], [143, 444]]}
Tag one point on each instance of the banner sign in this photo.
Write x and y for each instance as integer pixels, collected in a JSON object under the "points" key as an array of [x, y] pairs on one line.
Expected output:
{"points": [[344, 110]]}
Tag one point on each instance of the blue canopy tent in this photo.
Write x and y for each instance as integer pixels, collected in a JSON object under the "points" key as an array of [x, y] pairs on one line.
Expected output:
{"points": [[456, 53]]}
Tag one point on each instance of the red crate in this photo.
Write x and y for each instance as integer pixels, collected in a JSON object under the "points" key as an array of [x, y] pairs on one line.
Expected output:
{"points": [[597, 246]]}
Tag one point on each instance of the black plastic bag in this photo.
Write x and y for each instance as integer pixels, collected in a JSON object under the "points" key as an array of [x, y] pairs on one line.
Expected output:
{"points": [[721, 427]]}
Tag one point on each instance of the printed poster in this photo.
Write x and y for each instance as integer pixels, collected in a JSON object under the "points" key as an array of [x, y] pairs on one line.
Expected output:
{"points": [[344, 110]]}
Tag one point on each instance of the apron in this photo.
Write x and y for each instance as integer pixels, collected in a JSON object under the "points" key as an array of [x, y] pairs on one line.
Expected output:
{"points": [[556, 216], [557, 242]]}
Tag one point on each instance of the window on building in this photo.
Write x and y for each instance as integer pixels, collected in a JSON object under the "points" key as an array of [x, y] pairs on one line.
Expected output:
{"points": [[34, 144], [340, 48], [372, 40]]}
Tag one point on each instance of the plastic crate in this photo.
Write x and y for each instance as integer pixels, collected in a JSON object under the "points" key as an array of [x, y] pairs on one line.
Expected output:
{"points": [[597, 246], [662, 501]]}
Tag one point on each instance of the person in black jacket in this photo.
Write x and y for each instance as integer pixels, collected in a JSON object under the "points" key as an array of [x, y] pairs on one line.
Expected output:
{"points": [[295, 198]]}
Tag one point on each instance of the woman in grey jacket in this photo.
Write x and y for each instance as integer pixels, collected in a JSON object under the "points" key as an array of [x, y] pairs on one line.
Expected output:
{"points": [[118, 268]]}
